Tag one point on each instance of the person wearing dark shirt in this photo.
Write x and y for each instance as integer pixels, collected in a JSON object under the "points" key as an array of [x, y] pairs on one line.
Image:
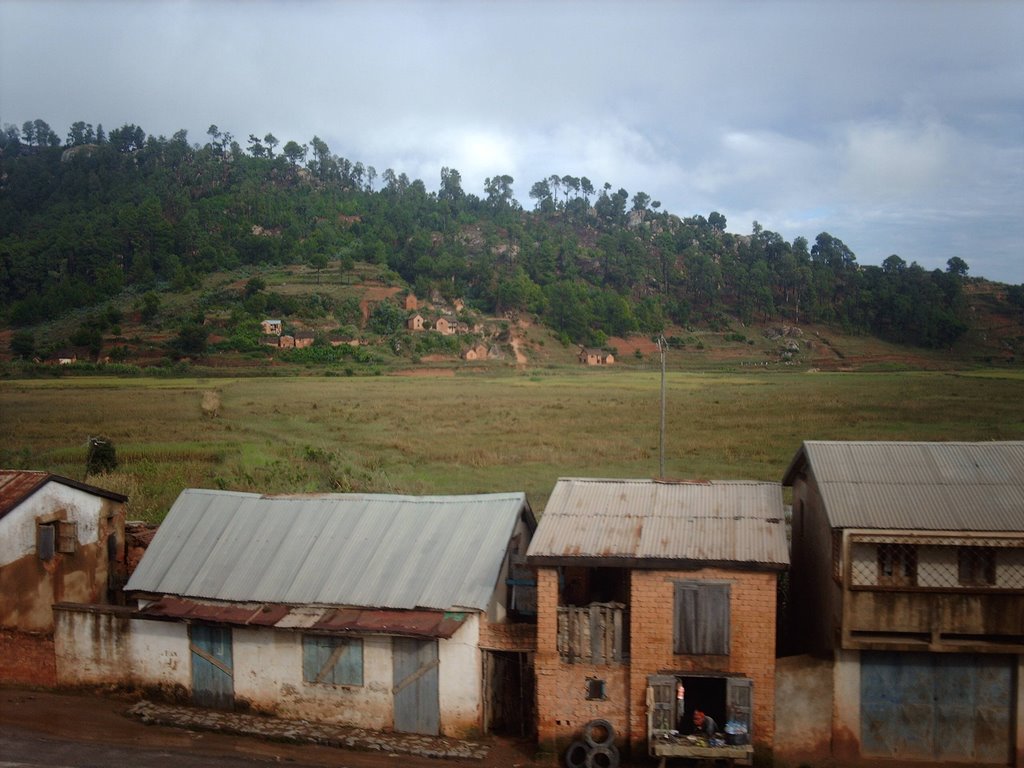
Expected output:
{"points": [[704, 724]]}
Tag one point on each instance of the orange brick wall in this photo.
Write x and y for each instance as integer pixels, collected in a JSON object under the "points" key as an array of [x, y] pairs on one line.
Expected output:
{"points": [[562, 707], [27, 658], [510, 636], [752, 641]]}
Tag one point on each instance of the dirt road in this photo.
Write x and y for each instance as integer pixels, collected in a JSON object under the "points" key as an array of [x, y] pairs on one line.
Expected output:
{"points": [[71, 729]]}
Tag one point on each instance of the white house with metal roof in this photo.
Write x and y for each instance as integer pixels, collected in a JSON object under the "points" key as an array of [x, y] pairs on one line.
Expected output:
{"points": [[373, 610], [656, 598], [908, 573]]}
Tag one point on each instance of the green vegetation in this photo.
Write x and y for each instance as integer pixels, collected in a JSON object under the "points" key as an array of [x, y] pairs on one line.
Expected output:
{"points": [[480, 433], [122, 222]]}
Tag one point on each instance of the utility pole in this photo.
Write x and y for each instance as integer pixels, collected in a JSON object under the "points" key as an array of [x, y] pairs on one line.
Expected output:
{"points": [[661, 443]]}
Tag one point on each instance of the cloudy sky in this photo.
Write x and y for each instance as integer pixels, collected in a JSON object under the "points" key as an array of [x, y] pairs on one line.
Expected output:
{"points": [[897, 127]]}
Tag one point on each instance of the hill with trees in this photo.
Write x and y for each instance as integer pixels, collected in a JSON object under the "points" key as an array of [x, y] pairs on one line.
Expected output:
{"points": [[102, 217]]}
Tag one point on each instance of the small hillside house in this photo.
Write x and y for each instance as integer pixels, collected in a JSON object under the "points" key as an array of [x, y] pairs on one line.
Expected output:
{"points": [[596, 357], [656, 598], [415, 323], [60, 541], [908, 572], [271, 326], [378, 611]]}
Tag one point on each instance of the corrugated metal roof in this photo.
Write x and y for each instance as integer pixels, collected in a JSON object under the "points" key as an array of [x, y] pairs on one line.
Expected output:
{"points": [[954, 486], [359, 620], [380, 551], [648, 523], [16, 485]]}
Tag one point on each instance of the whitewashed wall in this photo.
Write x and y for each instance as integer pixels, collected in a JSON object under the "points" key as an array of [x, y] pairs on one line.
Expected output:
{"points": [[102, 645], [18, 527]]}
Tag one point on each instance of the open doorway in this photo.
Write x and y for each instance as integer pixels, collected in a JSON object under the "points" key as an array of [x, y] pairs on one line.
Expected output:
{"points": [[508, 693]]}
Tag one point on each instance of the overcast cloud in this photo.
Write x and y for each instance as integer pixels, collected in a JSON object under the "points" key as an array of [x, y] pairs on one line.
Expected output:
{"points": [[897, 127]]}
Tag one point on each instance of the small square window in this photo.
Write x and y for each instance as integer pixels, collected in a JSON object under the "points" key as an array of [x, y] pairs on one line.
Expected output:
{"points": [[595, 689], [976, 566], [329, 660], [897, 565]]}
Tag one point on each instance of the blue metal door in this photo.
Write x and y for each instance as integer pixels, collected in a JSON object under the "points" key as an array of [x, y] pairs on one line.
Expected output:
{"points": [[936, 706], [212, 669], [417, 709]]}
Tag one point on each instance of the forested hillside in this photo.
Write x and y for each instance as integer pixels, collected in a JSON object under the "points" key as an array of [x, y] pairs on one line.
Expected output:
{"points": [[86, 218]]}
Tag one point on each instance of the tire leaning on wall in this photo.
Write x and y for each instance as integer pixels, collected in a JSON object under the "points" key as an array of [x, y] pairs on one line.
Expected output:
{"points": [[603, 757], [576, 755], [592, 733]]}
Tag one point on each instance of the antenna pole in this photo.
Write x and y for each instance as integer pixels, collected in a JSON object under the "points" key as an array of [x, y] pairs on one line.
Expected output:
{"points": [[661, 443]]}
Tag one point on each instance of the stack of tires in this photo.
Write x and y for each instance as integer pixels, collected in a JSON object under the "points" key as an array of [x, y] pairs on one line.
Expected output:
{"points": [[596, 749]]}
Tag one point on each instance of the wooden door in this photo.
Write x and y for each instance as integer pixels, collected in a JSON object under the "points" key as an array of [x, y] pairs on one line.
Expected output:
{"points": [[417, 708], [212, 671]]}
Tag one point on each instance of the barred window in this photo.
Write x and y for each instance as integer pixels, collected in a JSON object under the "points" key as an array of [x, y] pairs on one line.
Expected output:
{"points": [[897, 565], [976, 566]]}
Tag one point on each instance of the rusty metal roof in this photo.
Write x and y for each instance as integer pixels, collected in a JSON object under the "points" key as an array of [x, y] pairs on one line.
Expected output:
{"points": [[16, 485], [651, 524], [956, 486], [322, 619], [364, 550]]}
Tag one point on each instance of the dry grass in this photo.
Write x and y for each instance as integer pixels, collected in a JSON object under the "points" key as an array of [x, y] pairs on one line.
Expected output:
{"points": [[476, 434]]}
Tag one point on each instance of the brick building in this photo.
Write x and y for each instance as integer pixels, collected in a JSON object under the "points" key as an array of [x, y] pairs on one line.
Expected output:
{"points": [[641, 582]]}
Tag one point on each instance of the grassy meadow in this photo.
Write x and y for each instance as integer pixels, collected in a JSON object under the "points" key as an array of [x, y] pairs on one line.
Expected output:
{"points": [[476, 433]]}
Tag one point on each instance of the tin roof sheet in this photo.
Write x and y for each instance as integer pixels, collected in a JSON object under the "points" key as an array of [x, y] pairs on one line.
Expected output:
{"points": [[648, 523], [16, 485], [380, 551], [322, 619], [956, 486]]}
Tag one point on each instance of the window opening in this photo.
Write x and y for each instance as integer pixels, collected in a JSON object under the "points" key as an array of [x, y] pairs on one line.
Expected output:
{"points": [[897, 565], [332, 660], [976, 566], [595, 689]]}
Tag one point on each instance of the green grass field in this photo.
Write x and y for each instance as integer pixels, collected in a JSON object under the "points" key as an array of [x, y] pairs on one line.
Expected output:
{"points": [[477, 433]]}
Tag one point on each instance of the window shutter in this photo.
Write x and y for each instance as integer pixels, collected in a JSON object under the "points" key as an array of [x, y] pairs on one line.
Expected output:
{"points": [[713, 619], [739, 701], [701, 618], [662, 702], [67, 540], [685, 635], [47, 541]]}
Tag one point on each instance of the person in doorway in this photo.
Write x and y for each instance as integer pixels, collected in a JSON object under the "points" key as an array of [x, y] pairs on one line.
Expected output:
{"points": [[703, 724]]}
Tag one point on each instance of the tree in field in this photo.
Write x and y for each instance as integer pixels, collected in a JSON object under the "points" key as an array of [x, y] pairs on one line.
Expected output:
{"points": [[318, 260], [387, 318], [23, 345]]}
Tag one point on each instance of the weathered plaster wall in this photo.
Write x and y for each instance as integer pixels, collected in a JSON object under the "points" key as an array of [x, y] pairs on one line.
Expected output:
{"points": [[102, 645], [803, 711], [31, 585]]}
